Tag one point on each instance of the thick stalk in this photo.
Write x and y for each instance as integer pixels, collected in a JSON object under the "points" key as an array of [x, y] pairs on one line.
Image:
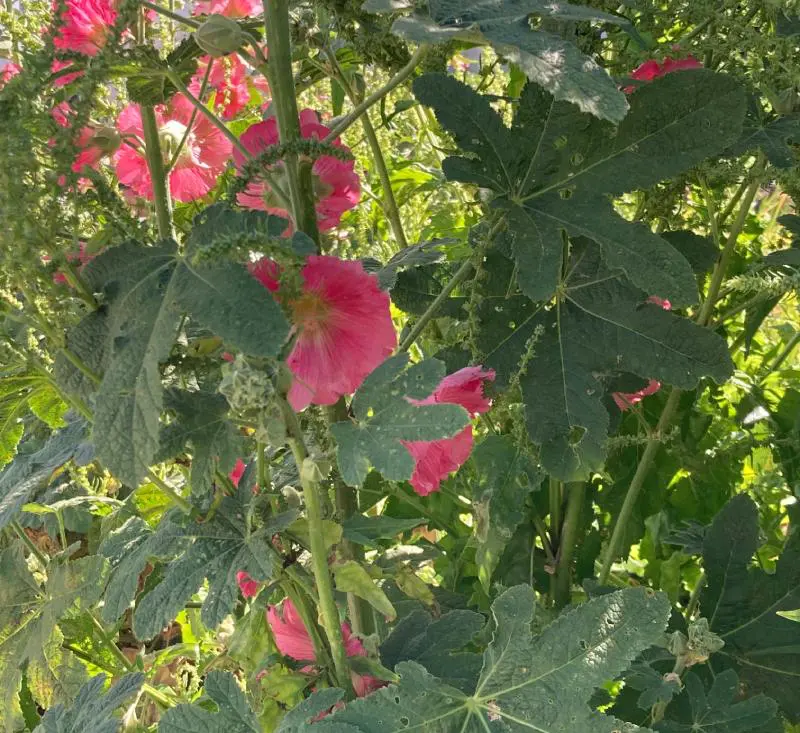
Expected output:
{"points": [[555, 496], [284, 101], [158, 176], [569, 535], [319, 552]]}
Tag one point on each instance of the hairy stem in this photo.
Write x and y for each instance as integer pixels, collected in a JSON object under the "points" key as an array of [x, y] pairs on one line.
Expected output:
{"points": [[28, 542], [158, 175], [569, 535]]}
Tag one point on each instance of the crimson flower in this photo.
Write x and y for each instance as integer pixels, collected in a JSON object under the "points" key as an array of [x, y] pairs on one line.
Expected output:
{"points": [[344, 328], [247, 585], [626, 400], [293, 641], [335, 181], [651, 69], [229, 8], [436, 459], [228, 79], [85, 26], [238, 471], [200, 163]]}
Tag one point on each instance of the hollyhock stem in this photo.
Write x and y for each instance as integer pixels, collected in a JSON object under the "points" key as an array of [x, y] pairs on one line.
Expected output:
{"points": [[319, 552], [155, 163], [569, 535], [192, 118], [169, 14], [281, 79]]}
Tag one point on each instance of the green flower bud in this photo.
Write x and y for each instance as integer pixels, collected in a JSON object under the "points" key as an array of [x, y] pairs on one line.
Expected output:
{"points": [[219, 36], [107, 139]]}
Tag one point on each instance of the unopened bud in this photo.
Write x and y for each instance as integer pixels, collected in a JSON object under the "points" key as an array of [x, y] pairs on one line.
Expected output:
{"points": [[107, 139], [219, 36]]}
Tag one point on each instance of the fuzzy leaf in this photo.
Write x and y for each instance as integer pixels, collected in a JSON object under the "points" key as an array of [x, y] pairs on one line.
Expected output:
{"points": [[384, 417], [771, 136], [351, 577], [57, 675], [219, 229], [88, 340], [367, 530], [527, 684], [232, 715], [215, 550], [93, 709], [504, 478], [717, 711], [741, 604]]}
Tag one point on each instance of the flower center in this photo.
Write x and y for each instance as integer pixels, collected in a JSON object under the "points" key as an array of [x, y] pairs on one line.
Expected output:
{"points": [[311, 313], [170, 135]]}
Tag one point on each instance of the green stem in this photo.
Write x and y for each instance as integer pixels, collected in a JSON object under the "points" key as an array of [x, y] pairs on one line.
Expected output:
{"points": [[694, 599], [569, 535], [319, 552], [284, 100], [155, 164], [783, 356], [191, 22], [460, 275], [173, 495], [28, 542], [651, 448], [377, 95], [203, 86], [555, 496]]}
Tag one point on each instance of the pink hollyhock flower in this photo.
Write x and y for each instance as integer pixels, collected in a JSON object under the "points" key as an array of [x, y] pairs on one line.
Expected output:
{"points": [[626, 400], [436, 459], [229, 8], [293, 641], [335, 181], [238, 471], [85, 26], [199, 165], [80, 258], [8, 72], [247, 585], [63, 80], [61, 114], [228, 79], [95, 143], [651, 69], [344, 328]]}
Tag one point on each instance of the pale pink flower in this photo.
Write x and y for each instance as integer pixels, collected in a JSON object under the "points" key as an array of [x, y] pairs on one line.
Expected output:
{"points": [[435, 460], [626, 400], [228, 81], [85, 26], [335, 181], [651, 69], [199, 165], [293, 641], [247, 585], [229, 8], [238, 471], [63, 80], [8, 72], [344, 328]]}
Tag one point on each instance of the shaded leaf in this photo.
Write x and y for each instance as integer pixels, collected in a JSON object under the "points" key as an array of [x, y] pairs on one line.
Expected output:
{"points": [[367, 530], [771, 134]]}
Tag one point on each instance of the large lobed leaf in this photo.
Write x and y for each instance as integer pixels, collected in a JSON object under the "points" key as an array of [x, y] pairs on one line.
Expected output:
{"points": [[741, 603]]}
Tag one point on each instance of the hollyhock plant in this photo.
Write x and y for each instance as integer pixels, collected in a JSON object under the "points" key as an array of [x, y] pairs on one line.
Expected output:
{"points": [[247, 585], [344, 328], [199, 165], [626, 400], [293, 641], [85, 26], [61, 114], [95, 143], [237, 472], [228, 79], [436, 459], [62, 80], [651, 69], [229, 8], [8, 72], [335, 181], [81, 258]]}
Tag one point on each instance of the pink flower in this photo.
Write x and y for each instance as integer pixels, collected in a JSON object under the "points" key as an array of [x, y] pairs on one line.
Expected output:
{"points": [[247, 585], [8, 72], [63, 80], [335, 181], [228, 79], [229, 8], [61, 114], [80, 258], [95, 143], [199, 165], [85, 26], [238, 471], [626, 400], [435, 460], [651, 69], [344, 328], [293, 641]]}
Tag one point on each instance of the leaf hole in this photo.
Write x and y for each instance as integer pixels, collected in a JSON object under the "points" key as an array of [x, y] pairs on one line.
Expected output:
{"points": [[566, 193], [576, 434], [404, 722]]}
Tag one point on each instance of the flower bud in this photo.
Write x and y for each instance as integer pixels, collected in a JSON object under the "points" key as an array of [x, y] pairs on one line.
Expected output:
{"points": [[219, 36], [107, 139]]}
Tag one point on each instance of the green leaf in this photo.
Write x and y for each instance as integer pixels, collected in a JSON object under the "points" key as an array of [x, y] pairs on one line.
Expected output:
{"points": [[416, 255], [538, 684], [555, 168], [57, 676], [367, 530], [700, 252], [437, 645], [384, 417], [89, 341], [351, 577], [770, 134], [562, 385], [448, 11], [504, 478], [142, 326], [48, 406], [232, 715], [93, 709], [29, 472], [415, 290], [201, 419], [741, 604], [320, 701], [12, 409], [718, 711], [227, 299], [215, 550], [654, 686]]}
